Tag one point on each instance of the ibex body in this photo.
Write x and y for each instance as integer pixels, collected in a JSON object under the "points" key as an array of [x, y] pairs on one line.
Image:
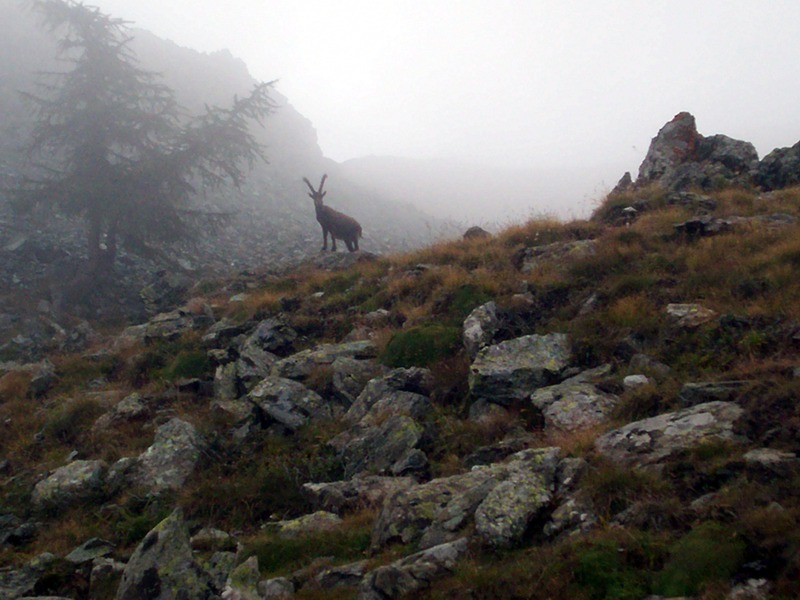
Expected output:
{"points": [[339, 225]]}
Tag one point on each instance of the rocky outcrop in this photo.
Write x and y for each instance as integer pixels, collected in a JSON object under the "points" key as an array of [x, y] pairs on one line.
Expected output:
{"points": [[653, 440], [411, 575], [780, 168], [301, 365], [511, 371], [76, 482], [360, 492], [440, 511], [162, 566], [286, 404], [172, 457]]}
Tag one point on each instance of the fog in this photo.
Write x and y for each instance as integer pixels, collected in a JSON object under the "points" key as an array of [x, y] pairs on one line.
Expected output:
{"points": [[574, 87]]}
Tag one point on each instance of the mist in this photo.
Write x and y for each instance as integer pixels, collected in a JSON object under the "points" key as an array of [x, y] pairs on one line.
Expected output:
{"points": [[559, 98]]}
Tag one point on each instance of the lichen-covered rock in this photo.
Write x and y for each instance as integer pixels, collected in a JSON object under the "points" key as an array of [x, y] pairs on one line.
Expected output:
{"points": [[401, 391], [243, 581], [480, 327], [570, 517], [354, 494], [162, 566], [384, 448], [131, 407], [272, 335], [439, 511], [78, 481], [570, 406], [168, 326], [689, 316], [341, 576], [307, 524], [780, 168], [504, 515], [301, 365], [287, 403], [91, 549], [513, 370], [413, 574], [172, 457], [350, 377], [652, 440]]}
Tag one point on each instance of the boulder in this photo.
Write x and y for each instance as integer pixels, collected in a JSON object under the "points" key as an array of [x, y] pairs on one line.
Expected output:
{"points": [[350, 377], [301, 365], [401, 391], [343, 576], [76, 482], [675, 143], [512, 370], [287, 403], [130, 408], [410, 576], [689, 316], [243, 581], [572, 405], [780, 168], [440, 511], [480, 327], [162, 566], [650, 441], [172, 457], [305, 525], [358, 493], [391, 447], [271, 335]]}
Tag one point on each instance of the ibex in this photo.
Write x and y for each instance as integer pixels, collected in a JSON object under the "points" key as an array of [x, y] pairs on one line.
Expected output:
{"points": [[339, 225]]}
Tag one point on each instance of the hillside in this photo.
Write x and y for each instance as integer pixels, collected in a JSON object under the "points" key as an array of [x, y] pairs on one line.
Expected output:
{"points": [[270, 221], [591, 409]]}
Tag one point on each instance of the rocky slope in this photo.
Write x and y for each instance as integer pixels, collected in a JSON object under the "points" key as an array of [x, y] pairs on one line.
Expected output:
{"points": [[592, 409]]}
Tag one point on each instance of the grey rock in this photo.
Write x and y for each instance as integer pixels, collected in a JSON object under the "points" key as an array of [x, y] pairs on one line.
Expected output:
{"points": [[480, 327], [351, 376], [401, 391], [410, 576], [570, 406], [78, 481], [130, 408], [287, 403], [105, 577], [278, 587], [358, 493], [440, 511], [162, 566], [172, 457], [571, 517], [632, 382], [305, 525], [689, 316], [208, 539], [341, 576], [513, 370], [90, 550], [243, 581], [652, 440], [300, 366], [383, 448], [780, 168], [556, 253]]}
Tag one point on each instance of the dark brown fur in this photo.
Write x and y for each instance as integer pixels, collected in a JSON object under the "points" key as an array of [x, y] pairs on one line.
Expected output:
{"points": [[339, 225]]}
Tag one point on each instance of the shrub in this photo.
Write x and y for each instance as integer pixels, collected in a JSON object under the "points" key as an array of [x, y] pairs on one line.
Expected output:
{"points": [[708, 553], [422, 345]]}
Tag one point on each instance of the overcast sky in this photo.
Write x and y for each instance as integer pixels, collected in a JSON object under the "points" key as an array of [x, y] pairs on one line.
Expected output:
{"points": [[520, 83]]}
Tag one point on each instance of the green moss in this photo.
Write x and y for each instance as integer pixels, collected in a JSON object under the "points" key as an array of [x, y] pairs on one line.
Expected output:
{"points": [[422, 346]]}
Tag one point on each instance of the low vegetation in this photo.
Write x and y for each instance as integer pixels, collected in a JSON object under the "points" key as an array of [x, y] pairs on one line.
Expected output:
{"points": [[612, 301]]}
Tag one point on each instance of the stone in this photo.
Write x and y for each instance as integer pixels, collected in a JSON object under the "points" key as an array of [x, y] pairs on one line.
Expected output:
{"points": [[172, 457], [571, 517], [480, 327], [209, 539], [381, 449], [442, 509], [105, 577], [90, 550], [476, 233], [287, 403], [162, 566], [401, 391], [344, 576], [306, 525], [358, 493], [278, 587], [300, 366], [130, 408], [632, 382], [689, 316], [650, 441], [780, 168], [512, 370], [570, 406], [350, 377], [243, 581], [410, 576], [76, 482]]}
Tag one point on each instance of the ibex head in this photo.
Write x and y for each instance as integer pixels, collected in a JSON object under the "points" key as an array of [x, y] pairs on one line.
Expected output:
{"points": [[317, 195]]}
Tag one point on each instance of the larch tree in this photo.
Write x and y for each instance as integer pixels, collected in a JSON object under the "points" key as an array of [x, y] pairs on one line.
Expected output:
{"points": [[113, 147]]}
